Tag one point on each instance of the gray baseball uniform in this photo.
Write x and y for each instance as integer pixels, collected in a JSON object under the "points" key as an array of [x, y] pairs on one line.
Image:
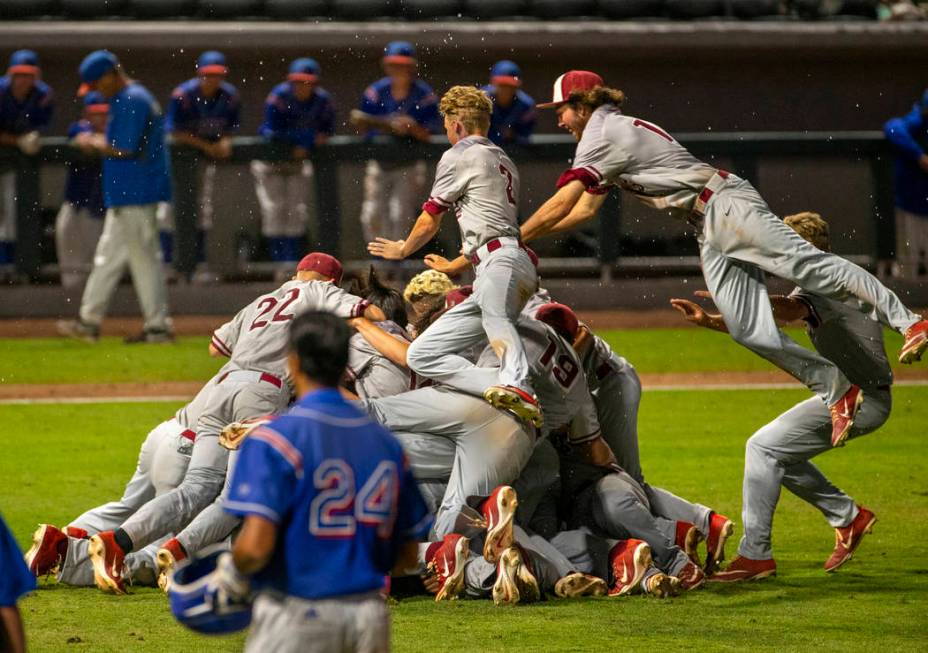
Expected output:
{"points": [[779, 453], [373, 374], [480, 183], [250, 385], [740, 239]]}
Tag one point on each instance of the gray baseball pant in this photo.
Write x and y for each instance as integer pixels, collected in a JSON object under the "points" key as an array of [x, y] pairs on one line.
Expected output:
{"points": [[290, 624], [205, 209], [779, 455], [129, 239], [392, 193], [77, 232], [234, 399], [548, 566], [283, 192], [505, 280], [740, 241], [431, 460], [538, 487], [213, 524], [491, 447]]}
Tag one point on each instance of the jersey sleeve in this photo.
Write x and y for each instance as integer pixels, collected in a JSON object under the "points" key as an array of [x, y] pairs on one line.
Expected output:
{"points": [[597, 161], [175, 119], [450, 184], [327, 118], [525, 124], [265, 477], [274, 119], [225, 337], [235, 111], [413, 519], [45, 107], [585, 424], [340, 302], [129, 123], [899, 132], [360, 356], [16, 579], [426, 111]]}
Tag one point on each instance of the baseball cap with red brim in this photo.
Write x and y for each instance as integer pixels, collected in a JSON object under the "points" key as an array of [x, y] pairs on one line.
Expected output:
{"points": [[304, 69], [573, 80], [24, 62], [324, 264], [401, 52], [94, 102], [94, 66], [212, 62], [506, 73]]}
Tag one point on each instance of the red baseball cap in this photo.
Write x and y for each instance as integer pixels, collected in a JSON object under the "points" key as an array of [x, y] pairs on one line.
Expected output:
{"points": [[560, 318], [324, 264], [457, 296], [572, 80]]}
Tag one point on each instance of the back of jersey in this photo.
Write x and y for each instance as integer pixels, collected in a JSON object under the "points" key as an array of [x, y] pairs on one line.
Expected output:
{"points": [[340, 491], [374, 374]]}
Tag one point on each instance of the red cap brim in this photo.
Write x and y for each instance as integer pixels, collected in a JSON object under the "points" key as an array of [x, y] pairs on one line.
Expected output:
{"points": [[303, 77], [214, 69], [400, 59], [97, 108], [550, 105], [505, 80], [23, 69], [85, 88]]}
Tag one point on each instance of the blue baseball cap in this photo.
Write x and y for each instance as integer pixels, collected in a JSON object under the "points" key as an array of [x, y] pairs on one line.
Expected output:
{"points": [[24, 62], [94, 102], [94, 66], [212, 62], [402, 52], [506, 73], [304, 69]]}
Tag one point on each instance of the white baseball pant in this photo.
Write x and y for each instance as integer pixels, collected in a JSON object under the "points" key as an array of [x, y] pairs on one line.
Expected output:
{"points": [[166, 215], [77, 232], [283, 190], [911, 243], [391, 193]]}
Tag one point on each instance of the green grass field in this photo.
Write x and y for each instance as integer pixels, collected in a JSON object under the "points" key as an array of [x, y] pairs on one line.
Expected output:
{"points": [[59, 460]]}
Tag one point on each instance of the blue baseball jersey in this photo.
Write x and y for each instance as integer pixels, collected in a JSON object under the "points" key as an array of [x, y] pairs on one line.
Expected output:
{"points": [[341, 492], [209, 118], [298, 123], [512, 124], [34, 112], [421, 104], [908, 136], [136, 125], [15, 577], [84, 185]]}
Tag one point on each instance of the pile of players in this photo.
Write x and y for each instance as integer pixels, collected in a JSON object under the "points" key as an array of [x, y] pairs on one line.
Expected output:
{"points": [[519, 423]]}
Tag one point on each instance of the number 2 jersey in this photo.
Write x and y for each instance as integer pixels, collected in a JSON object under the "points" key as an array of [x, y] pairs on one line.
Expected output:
{"points": [[639, 157], [257, 337], [481, 183], [340, 491]]}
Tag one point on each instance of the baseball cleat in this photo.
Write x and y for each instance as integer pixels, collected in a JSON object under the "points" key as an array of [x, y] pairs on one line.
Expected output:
{"points": [[916, 342], [847, 539], [515, 582], [79, 330], [576, 584], [76, 533], [662, 586], [720, 529], [520, 403], [108, 561], [446, 561], [688, 538], [498, 510], [169, 554], [742, 568], [691, 577], [843, 414], [629, 559], [150, 337], [49, 545]]}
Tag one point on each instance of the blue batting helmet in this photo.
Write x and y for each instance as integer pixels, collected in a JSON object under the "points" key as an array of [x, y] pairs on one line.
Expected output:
{"points": [[193, 598]]}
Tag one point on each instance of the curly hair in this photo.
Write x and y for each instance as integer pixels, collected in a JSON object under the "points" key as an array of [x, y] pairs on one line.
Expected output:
{"points": [[812, 227], [468, 105], [596, 97], [426, 283]]}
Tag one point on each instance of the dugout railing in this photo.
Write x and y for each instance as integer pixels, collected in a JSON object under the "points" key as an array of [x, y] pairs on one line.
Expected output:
{"points": [[742, 149]]}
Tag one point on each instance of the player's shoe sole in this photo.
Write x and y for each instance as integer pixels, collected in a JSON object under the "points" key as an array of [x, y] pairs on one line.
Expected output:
{"points": [[499, 537], [577, 584], [515, 583], [662, 586], [166, 564], [102, 576], [511, 399], [42, 557], [454, 582]]}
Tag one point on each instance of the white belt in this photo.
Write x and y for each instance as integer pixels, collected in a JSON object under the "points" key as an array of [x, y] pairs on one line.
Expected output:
{"points": [[716, 183]]}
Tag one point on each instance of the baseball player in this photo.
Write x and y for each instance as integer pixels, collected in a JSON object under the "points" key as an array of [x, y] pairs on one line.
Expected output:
{"points": [[15, 582], [329, 507], [203, 114], [908, 136], [135, 178], [479, 181], [779, 453], [299, 114], [740, 239], [251, 384], [26, 104], [426, 288], [513, 118], [402, 105], [80, 219]]}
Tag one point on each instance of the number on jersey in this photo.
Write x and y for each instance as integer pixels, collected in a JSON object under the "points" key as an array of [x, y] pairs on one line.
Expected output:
{"points": [[269, 303], [338, 508], [565, 370]]}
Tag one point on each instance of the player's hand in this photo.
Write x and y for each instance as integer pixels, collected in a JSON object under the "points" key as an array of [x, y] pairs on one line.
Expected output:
{"points": [[221, 149], [430, 580], [227, 587], [923, 162], [83, 142], [98, 142], [692, 311], [402, 125], [29, 143], [439, 262], [392, 250]]}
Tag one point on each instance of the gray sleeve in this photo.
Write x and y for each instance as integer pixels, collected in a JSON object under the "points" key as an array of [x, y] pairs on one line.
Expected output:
{"points": [[451, 181], [599, 159], [225, 337], [334, 299], [585, 425]]}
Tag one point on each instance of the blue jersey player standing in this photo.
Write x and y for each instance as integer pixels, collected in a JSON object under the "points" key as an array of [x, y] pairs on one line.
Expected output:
{"points": [[203, 114], [513, 118], [330, 507]]}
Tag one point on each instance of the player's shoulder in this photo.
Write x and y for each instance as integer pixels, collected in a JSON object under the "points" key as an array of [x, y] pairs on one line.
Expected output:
{"points": [[4, 83], [282, 90], [422, 87], [133, 94], [229, 89], [42, 88], [525, 99], [187, 87]]}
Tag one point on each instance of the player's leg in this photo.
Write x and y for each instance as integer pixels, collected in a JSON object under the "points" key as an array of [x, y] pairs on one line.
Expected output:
{"points": [[66, 236], [289, 624], [538, 487], [367, 627], [270, 189], [144, 253], [405, 189], [296, 216], [617, 399], [212, 525], [7, 221], [374, 204], [109, 263], [431, 459], [740, 293]]}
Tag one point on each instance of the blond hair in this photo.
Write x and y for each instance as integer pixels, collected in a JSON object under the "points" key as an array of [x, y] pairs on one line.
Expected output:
{"points": [[468, 105], [426, 284], [812, 227], [596, 97]]}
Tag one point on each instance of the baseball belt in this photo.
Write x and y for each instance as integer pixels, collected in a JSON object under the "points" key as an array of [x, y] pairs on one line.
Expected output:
{"points": [[716, 183], [482, 252], [247, 376]]}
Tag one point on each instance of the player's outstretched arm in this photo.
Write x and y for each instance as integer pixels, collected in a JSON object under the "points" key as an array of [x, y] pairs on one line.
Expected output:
{"points": [[553, 211], [396, 250], [584, 210], [391, 347], [451, 268], [254, 545], [693, 312]]}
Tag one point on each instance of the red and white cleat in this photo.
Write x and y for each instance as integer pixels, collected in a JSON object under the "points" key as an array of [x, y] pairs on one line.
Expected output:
{"points": [[499, 510], [742, 568], [691, 577], [688, 538], [629, 559], [843, 414], [847, 539], [522, 404], [445, 561], [49, 546], [720, 529], [515, 582], [108, 560], [916, 342], [76, 533], [169, 554]]}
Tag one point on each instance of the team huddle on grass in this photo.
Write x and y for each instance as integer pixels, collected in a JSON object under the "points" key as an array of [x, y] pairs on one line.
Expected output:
{"points": [[517, 424]]}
